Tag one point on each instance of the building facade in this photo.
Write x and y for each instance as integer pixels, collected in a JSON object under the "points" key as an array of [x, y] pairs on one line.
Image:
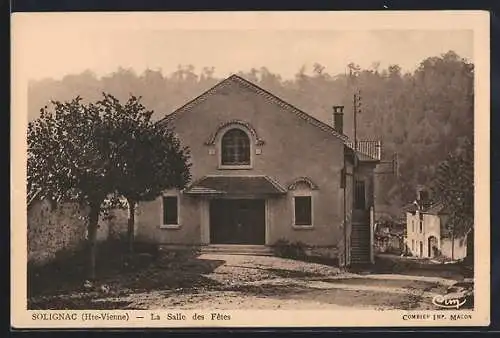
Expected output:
{"points": [[425, 224], [265, 171]]}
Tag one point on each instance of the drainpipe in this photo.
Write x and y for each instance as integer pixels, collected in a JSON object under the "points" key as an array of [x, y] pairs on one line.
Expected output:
{"points": [[344, 179], [372, 235]]}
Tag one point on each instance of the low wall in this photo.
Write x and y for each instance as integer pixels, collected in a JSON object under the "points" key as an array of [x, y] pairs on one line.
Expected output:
{"points": [[456, 251], [52, 228]]}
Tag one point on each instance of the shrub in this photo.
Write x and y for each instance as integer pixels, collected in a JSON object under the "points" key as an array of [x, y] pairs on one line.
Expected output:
{"points": [[296, 250]]}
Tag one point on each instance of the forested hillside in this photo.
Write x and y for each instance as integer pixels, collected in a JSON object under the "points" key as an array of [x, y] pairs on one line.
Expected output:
{"points": [[420, 115]]}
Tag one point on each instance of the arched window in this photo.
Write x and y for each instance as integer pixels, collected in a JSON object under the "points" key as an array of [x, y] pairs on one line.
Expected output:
{"points": [[235, 148]]}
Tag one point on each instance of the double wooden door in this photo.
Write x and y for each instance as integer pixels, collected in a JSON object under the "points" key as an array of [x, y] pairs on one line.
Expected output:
{"points": [[237, 221]]}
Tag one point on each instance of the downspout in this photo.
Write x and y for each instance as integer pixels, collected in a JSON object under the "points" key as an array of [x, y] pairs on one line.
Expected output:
{"points": [[344, 180], [372, 226]]}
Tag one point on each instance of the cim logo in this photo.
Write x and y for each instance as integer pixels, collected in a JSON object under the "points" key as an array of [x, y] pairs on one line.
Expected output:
{"points": [[448, 302]]}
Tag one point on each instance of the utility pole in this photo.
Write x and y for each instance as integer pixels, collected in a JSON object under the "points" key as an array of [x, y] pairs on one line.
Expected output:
{"points": [[356, 108]]}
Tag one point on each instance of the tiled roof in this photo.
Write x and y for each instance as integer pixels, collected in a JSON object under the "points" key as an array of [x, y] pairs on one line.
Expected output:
{"points": [[434, 208], [410, 207], [235, 185]]}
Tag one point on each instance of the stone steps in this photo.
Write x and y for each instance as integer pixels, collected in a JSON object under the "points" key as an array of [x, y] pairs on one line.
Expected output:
{"points": [[237, 249], [360, 244]]}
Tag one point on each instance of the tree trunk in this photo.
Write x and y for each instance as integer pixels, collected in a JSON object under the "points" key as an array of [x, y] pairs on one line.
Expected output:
{"points": [[92, 239], [131, 224], [452, 245], [470, 248]]}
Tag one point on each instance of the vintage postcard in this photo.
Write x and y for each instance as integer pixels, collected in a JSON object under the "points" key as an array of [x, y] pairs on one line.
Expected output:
{"points": [[250, 169]]}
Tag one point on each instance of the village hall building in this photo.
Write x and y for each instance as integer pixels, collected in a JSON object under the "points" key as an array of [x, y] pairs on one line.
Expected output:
{"points": [[265, 171]]}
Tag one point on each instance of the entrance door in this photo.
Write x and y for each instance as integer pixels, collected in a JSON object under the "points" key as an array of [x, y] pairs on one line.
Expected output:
{"points": [[237, 221], [432, 247]]}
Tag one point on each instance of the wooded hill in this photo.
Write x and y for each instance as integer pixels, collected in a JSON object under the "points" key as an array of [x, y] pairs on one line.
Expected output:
{"points": [[422, 115]]}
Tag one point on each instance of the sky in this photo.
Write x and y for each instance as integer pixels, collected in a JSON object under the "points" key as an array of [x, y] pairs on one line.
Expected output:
{"points": [[55, 46]]}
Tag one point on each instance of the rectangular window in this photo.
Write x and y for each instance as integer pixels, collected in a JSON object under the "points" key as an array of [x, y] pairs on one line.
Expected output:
{"points": [[170, 210], [359, 195], [421, 222], [412, 225], [412, 244], [303, 210]]}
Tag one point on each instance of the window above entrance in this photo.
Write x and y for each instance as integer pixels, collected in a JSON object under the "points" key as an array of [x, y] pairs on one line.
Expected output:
{"points": [[235, 148], [235, 143]]}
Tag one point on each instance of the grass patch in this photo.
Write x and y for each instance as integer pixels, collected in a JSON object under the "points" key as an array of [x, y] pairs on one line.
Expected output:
{"points": [[405, 266], [60, 284]]}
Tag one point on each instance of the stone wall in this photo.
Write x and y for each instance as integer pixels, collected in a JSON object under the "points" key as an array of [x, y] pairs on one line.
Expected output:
{"points": [[56, 227], [459, 251]]}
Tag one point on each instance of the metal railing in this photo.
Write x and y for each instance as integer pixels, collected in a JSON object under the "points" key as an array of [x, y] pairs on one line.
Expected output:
{"points": [[369, 148]]}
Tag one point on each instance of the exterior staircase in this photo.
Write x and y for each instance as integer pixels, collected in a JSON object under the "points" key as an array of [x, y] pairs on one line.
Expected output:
{"points": [[360, 239], [237, 249]]}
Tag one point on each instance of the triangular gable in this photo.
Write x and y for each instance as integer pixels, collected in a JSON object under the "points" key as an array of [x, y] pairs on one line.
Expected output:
{"points": [[258, 90], [370, 154]]}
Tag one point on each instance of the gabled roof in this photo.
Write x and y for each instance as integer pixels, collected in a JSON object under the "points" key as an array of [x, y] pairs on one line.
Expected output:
{"points": [[258, 90], [437, 209], [367, 150], [410, 207], [433, 208]]}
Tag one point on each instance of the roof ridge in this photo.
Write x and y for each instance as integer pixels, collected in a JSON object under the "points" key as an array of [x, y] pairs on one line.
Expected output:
{"points": [[194, 101], [288, 105], [266, 94]]}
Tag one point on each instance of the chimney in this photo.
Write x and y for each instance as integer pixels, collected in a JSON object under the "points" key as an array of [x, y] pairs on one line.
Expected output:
{"points": [[338, 118], [423, 196]]}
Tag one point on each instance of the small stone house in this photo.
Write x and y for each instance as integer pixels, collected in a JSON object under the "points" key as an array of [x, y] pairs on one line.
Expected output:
{"points": [[425, 224]]}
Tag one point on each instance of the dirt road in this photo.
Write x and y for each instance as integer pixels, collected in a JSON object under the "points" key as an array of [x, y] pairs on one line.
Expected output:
{"points": [[252, 282]]}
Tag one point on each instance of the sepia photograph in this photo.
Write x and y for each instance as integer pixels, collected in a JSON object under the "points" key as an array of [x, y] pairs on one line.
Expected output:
{"points": [[183, 162]]}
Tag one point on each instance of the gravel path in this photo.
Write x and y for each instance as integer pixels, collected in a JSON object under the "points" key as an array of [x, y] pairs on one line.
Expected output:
{"points": [[225, 282]]}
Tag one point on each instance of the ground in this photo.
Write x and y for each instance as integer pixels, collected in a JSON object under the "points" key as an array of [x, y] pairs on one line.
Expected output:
{"points": [[209, 281]]}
